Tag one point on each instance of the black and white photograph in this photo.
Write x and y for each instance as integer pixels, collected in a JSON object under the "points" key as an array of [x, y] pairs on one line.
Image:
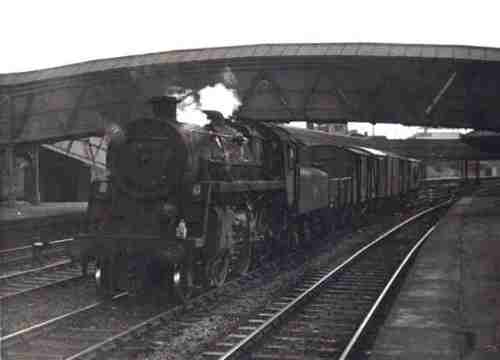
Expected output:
{"points": [[249, 180]]}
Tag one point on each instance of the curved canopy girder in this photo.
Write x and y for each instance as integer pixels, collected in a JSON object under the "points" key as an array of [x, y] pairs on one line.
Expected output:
{"points": [[425, 85]]}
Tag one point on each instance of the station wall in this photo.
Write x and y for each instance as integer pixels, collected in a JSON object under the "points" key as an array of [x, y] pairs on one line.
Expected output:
{"points": [[61, 178], [20, 165]]}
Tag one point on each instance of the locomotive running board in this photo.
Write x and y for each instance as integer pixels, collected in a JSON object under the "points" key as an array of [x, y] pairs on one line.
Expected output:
{"points": [[245, 185]]}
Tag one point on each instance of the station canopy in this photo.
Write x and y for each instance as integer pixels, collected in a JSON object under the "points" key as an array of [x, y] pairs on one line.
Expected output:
{"points": [[424, 85]]}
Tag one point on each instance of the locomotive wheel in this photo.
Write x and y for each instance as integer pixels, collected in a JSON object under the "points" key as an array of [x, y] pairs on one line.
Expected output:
{"points": [[217, 269], [243, 249], [264, 248], [242, 258], [180, 281]]}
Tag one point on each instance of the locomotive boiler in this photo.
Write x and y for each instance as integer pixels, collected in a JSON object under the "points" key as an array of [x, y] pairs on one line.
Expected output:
{"points": [[184, 205]]}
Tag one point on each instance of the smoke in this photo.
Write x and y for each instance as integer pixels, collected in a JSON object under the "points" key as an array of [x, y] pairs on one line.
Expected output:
{"points": [[219, 97], [222, 97], [189, 111]]}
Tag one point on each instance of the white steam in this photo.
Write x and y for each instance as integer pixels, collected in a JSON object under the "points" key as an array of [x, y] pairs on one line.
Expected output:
{"points": [[221, 97], [217, 97]]}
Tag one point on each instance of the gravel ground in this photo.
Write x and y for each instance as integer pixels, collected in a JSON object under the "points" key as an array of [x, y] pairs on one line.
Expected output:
{"points": [[205, 327], [191, 341]]}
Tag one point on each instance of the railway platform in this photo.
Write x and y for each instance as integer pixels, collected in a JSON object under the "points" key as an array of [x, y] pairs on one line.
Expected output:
{"points": [[22, 223], [449, 304]]}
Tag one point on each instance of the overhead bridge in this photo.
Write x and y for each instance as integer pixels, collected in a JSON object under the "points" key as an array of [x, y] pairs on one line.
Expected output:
{"points": [[425, 85]]}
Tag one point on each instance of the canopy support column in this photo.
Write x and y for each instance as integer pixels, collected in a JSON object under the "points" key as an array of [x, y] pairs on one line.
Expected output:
{"points": [[10, 155], [11, 176], [36, 174]]}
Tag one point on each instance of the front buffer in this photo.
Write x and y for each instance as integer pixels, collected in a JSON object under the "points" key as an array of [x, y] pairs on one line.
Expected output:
{"points": [[131, 261]]}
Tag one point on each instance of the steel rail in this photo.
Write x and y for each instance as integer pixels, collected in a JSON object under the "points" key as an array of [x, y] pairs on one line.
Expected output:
{"points": [[279, 316], [362, 327], [144, 323], [166, 314], [43, 324], [124, 333], [154, 319], [41, 286], [54, 267], [30, 271], [29, 247]]}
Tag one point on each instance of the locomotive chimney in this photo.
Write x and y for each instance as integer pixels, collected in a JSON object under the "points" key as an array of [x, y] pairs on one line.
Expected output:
{"points": [[165, 107], [215, 117]]}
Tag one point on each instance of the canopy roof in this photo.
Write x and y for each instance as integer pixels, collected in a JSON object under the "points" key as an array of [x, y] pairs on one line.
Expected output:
{"points": [[374, 152], [425, 85]]}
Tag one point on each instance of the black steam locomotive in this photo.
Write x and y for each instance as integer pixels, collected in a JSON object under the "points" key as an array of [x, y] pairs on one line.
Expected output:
{"points": [[186, 205]]}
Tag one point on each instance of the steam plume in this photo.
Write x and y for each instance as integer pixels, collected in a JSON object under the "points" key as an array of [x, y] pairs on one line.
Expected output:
{"points": [[222, 97]]}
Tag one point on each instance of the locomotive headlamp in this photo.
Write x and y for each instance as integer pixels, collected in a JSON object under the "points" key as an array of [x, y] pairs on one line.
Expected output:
{"points": [[97, 275]]}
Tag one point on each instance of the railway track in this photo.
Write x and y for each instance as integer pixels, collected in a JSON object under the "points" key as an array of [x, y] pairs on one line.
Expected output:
{"points": [[100, 327], [21, 282], [25, 271], [35, 341], [105, 324], [27, 253], [107, 330], [329, 313]]}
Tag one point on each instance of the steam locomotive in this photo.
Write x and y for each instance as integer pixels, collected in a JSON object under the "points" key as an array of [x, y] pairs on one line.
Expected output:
{"points": [[186, 205]]}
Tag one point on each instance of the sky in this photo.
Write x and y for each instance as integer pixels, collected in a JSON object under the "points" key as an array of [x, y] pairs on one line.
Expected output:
{"points": [[40, 34]]}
